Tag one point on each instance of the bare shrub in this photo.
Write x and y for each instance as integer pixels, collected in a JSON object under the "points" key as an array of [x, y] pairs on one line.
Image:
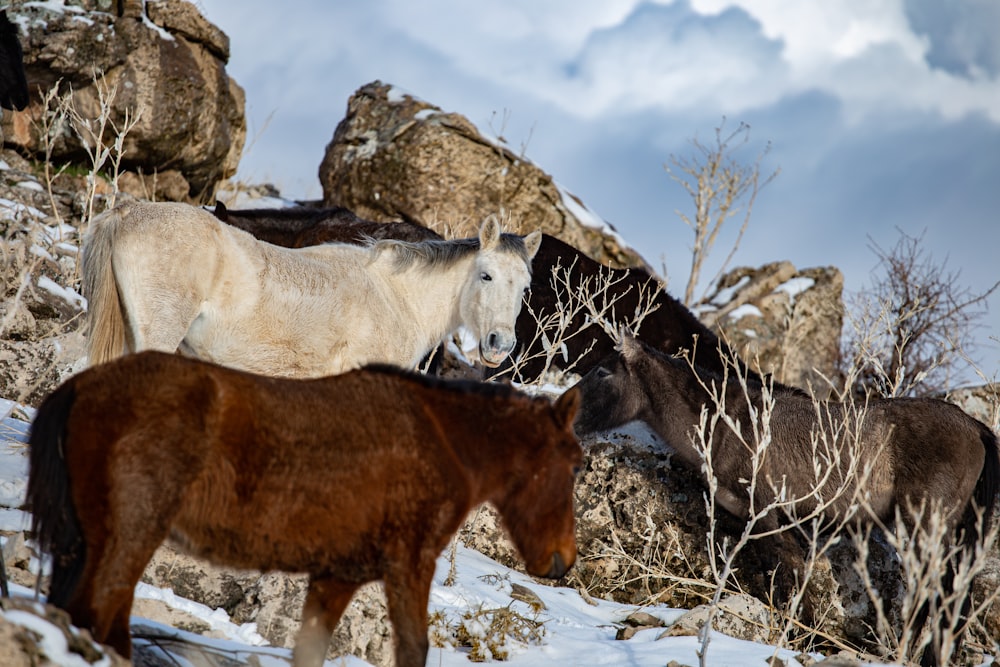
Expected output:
{"points": [[487, 633], [775, 513], [720, 187], [939, 573], [40, 249], [914, 327], [595, 298]]}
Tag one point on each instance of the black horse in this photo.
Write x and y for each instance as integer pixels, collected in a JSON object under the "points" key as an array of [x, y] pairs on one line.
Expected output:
{"points": [[670, 327], [13, 83]]}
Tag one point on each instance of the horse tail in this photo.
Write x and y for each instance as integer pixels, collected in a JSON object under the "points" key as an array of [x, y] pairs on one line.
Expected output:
{"points": [[106, 322], [985, 494], [54, 522]]}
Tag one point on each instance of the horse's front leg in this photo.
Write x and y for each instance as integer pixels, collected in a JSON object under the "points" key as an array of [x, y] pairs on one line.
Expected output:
{"points": [[326, 600], [407, 593]]}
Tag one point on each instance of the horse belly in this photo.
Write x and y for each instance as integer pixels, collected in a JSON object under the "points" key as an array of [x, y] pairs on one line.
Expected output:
{"points": [[290, 535]]}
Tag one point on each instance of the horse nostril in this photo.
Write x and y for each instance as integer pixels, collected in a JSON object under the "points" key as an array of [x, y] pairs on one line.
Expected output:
{"points": [[493, 341]]}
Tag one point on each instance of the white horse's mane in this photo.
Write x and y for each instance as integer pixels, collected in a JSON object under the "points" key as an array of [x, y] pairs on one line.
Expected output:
{"points": [[434, 253]]}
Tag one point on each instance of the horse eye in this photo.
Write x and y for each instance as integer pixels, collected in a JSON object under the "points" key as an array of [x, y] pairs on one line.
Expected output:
{"points": [[486, 277], [576, 470], [603, 372]]}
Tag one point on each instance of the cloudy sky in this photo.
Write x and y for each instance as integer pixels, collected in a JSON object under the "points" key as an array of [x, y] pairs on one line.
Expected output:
{"points": [[882, 115]]}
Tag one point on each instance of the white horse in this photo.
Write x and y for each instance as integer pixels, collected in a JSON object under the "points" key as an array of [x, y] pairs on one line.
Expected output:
{"points": [[172, 277]]}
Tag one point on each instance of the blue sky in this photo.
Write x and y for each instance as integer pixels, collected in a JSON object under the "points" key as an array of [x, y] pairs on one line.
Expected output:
{"points": [[883, 115]]}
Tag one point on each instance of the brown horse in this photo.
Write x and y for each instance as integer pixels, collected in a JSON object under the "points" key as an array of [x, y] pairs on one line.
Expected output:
{"points": [[670, 327], [918, 449], [352, 478]]}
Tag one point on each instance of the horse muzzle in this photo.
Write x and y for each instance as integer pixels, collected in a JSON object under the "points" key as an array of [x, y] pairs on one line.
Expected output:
{"points": [[559, 566], [495, 348]]}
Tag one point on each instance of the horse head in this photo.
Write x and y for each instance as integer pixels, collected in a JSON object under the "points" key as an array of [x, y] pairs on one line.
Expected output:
{"points": [[537, 507], [611, 394], [492, 296]]}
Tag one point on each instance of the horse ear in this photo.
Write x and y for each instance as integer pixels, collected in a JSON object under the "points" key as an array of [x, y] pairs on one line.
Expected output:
{"points": [[489, 233], [629, 346], [567, 405], [532, 242], [221, 212]]}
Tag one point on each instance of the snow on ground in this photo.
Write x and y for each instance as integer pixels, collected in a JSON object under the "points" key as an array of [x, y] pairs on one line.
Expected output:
{"points": [[575, 632]]}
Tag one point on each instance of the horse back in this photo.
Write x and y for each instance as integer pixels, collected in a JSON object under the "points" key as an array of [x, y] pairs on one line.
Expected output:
{"points": [[144, 240]]}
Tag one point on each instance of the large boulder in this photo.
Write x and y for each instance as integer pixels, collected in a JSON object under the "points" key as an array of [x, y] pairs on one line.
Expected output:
{"points": [[394, 156], [167, 65], [782, 321]]}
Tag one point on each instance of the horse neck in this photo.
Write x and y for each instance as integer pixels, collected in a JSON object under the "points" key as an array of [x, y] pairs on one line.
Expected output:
{"points": [[676, 400], [482, 433], [432, 293]]}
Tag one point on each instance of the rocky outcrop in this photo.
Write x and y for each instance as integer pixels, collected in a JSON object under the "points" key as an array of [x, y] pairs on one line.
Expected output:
{"points": [[23, 624], [40, 314], [782, 321], [982, 402], [166, 66], [394, 156]]}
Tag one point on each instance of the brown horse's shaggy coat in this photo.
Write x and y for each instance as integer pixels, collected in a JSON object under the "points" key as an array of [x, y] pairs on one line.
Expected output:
{"points": [[352, 478]]}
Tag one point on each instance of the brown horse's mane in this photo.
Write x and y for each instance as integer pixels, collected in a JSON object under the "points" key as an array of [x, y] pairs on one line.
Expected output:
{"points": [[436, 253], [457, 385]]}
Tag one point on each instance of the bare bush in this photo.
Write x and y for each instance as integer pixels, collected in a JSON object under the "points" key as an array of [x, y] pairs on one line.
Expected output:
{"points": [[913, 329], [488, 634], [595, 298], [783, 518], [720, 187], [40, 249], [939, 573]]}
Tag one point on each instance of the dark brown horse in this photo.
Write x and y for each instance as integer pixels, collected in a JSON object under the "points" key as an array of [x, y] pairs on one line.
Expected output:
{"points": [[669, 328], [13, 83], [918, 449], [301, 226], [352, 478]]}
